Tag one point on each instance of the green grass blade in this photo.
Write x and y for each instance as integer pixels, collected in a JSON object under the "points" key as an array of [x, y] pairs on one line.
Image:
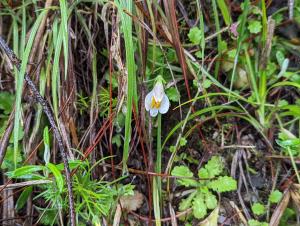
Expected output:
{"points": [[23, 33], [131, 79], [20, 80], [55, 80], [225, 12], [64, 27]]}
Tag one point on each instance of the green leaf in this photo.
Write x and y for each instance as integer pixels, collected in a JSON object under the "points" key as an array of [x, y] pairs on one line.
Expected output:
{"points": [[258, 208], [6, 101], [20, 81], [280, 57], [173, 94], [23, 198], [172, 148], [117, 140], [232, 53], [223, 184], [24, 172], [186, 203], [213, 167], [203, 173], [275, 196], [206, 83], [58, 176], [225, 11], [47, 145], [8, 161], [182, 142], [198, 54], [183, 171], [72, 164], [254, 26], [211, 201], [199, 207], [257, 223], [195, 35], [223, 46]]}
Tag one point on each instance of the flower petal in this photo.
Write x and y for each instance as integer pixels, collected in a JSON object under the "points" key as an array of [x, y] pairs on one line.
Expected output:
{"points": [[153, 112], [158, 91], [148, 100], [165, 104]]}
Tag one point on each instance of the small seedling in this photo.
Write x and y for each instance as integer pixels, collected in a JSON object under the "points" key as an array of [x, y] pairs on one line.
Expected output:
{"points": [[203, 198]]}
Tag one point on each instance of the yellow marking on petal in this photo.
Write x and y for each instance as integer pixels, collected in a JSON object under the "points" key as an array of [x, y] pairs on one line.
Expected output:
{"points": [[154, 103]]}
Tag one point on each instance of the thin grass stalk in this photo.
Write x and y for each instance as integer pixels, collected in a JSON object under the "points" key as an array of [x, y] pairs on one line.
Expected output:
{"points": [[153, 25], [157, 180], [23, 31], [64, 26], [263, 69], [219, 37], [241, 37], [252, 75], [55, 80]]}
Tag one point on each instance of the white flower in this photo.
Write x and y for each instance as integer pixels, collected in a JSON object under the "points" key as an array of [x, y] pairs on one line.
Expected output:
{"points": [[157, 101]]}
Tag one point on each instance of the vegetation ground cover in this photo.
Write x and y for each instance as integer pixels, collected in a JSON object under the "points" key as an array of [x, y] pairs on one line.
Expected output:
{"points": [[149, 112]]}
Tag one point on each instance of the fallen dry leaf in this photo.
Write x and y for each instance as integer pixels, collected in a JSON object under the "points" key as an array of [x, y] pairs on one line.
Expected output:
{"points": [[133, 202]]}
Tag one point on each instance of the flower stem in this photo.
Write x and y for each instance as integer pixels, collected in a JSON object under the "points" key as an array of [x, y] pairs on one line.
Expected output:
{"points": [[157, 180]]}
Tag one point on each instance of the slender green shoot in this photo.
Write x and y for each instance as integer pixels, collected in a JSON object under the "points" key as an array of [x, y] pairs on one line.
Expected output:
{"points": [[131, 79], [157, 180]]}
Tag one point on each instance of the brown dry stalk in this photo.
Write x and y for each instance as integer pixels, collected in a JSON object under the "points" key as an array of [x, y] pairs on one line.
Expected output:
{"points": [[43, 102]]}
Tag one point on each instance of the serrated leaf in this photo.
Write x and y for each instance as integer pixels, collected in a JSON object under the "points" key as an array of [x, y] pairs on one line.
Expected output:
{"points": [[183, 171], [254, 26], [173, 94], [199, 207], [172, 148], [275, 196], [258, 208], [186, 203], [182, 142], [58, 176], [203, 173], [211, 201], [195, 35], [213, 167], [223, 184]]}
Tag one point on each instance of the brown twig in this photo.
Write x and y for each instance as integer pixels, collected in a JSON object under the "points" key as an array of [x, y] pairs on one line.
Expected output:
{"points": [[15, 61]]}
